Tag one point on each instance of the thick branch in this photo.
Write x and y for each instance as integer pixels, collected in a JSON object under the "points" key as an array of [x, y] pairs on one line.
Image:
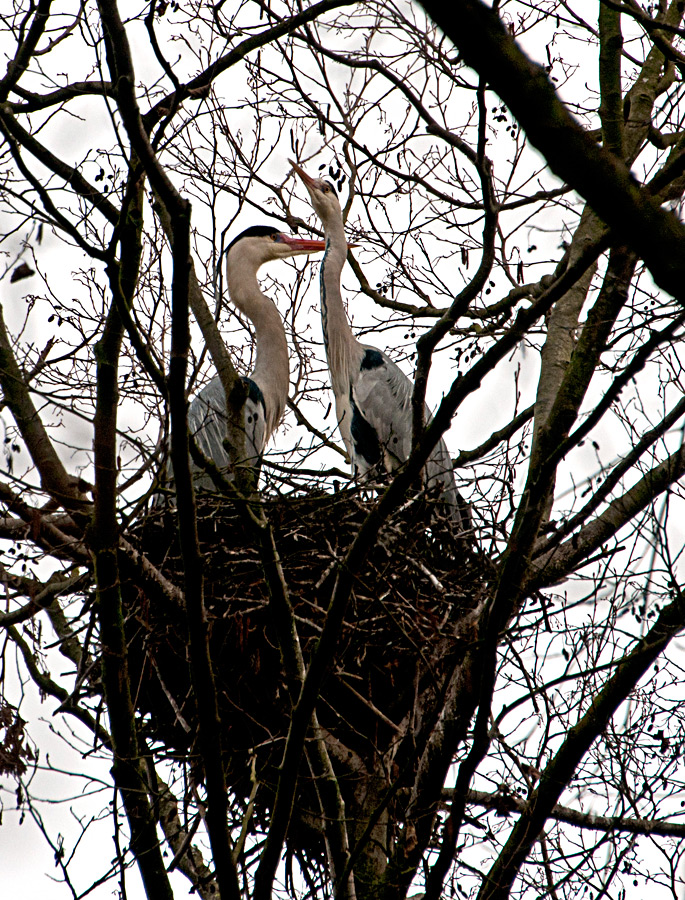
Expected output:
{"points": [[44, 532], [611, 106], [508, 803], [121, 70], [233, 385], [497, 883], [613, 478], [127, 769], [595, 173], [565, 375], [17, 66], [559, 562], [34, 102]]}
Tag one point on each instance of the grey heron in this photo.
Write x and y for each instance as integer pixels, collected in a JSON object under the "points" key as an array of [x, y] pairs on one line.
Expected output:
{"points": [[372, 394], [268, 382]]}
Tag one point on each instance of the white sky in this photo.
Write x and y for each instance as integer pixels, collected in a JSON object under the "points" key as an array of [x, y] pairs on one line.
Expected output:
{"points": [[25, 858]]}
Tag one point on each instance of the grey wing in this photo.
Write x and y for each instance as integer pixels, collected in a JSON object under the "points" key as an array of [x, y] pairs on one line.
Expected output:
{"points": [[383, 396], [207, 422]]}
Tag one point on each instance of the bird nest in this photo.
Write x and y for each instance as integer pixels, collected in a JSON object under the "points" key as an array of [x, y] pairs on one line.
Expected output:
{"points": [[403, 625]]}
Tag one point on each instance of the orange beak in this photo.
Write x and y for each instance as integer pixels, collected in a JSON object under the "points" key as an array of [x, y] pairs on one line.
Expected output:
{"points": [[304, 244]]}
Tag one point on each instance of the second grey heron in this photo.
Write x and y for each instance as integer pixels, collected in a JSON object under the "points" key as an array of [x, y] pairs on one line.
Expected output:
{"points": [[372, 394]]}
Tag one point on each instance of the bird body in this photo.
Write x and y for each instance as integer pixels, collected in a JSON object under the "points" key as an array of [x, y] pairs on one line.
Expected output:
{"points": [[208, 422], [373, 396], [267, 385]]}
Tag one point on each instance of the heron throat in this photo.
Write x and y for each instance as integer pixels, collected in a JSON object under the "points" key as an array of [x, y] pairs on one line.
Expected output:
{"points": [[343, 351]]}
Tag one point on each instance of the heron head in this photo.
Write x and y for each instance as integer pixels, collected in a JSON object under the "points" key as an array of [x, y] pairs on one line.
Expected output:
{"points": [[262, 243], [322, 193]]}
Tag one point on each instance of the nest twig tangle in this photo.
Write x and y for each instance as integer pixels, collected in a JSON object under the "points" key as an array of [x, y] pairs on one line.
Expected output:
{"points": [[404, 631]]}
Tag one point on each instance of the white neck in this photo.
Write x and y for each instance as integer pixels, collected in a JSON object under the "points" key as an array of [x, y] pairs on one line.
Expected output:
{"points": [[342, 347], [271, 371]]}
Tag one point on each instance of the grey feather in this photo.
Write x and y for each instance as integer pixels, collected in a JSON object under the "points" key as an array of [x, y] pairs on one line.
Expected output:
{"points": [[207, 422], [383, 395], [372, 395]]}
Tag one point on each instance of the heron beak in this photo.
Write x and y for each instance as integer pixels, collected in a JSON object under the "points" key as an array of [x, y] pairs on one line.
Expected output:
{"points": [[309, 182], [304, 245]]}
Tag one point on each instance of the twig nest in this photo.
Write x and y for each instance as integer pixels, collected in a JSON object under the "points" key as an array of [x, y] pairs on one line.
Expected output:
{"points": [[401, 628]]}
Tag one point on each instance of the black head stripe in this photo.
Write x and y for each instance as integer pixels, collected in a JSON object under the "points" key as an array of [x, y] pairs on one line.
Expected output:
{"points": [[254, 231], [331, 186]]}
